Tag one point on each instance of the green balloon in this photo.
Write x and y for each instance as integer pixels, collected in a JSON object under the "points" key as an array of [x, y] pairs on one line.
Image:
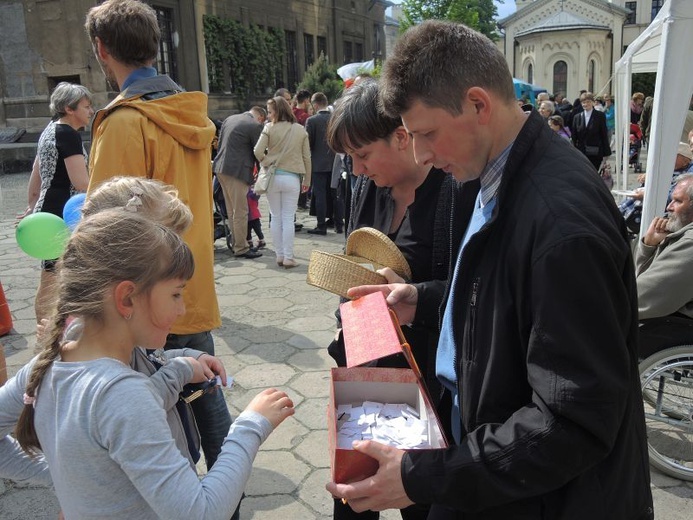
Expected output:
{"points": [[42, 235]]}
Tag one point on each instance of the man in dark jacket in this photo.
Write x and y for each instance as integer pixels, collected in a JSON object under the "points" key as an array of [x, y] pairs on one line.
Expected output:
{"points": [[322, 160], [538, 344]]}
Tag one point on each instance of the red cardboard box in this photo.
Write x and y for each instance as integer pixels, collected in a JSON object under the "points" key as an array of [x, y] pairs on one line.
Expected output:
{"points": [[371, 331]]}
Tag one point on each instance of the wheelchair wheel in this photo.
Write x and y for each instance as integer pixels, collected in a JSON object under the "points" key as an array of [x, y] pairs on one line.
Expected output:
{"points": [[666, 380]]}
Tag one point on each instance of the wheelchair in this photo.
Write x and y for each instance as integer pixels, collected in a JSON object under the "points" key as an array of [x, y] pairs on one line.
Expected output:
{"points": [[666, 378]]}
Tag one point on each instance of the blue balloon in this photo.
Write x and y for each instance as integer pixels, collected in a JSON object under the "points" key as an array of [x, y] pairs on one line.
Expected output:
{"points": [[72, 212]]}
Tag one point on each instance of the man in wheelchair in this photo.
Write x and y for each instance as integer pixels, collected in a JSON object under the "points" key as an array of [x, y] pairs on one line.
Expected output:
{"points": [[663, 274]]}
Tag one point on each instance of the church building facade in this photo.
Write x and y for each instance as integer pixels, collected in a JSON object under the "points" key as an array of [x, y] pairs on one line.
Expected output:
{"points": [[566, 46]]}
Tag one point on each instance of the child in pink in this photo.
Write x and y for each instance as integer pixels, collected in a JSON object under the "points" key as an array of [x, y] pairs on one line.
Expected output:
{"points": [[254, 220]]}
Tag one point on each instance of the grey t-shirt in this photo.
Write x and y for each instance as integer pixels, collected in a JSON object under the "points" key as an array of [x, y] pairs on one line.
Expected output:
{"points": [[104, 434]]}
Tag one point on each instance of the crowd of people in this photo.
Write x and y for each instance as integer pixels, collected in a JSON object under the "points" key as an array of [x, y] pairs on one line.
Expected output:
{"points": [[522, 310], [289, 136]]}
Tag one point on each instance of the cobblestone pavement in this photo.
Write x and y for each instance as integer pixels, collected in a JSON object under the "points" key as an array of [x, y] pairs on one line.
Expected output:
{"points": [[275, 328]]}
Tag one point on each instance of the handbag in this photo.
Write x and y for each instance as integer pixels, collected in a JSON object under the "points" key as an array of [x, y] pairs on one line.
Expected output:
{"points": [[266, 173], [264, 177]]}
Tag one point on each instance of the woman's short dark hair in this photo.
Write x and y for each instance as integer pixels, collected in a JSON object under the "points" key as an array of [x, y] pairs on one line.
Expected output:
{"points": [[358, 119]]}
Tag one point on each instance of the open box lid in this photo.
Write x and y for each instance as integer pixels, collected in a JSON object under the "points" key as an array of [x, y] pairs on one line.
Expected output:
{"points": [[371, 331]]}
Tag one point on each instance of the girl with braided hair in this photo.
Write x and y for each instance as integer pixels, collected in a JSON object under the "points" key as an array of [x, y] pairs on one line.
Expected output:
{"points": [[84, 407], [158, 202]]}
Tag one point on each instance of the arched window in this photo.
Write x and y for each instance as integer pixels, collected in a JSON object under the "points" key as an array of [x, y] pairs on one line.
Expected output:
{"points": [[530, 74], [591, 68], [560, 76]]}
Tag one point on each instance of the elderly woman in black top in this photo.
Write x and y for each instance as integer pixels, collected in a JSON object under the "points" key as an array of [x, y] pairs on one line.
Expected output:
{"points": [[60, 170]]}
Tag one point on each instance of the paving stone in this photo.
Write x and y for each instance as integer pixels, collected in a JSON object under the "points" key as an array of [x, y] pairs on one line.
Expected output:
{"points": [[310, 360], [271, 283], [276, 472], [311, 324], [313, 492], [317, 339], [266, 334], [313, 413], [235, 300], [264, 375], [660, 480], [266, 353], [314, 449], [273, 304], [288, 436], [21, 503], [313, 384], [243, 396], [275, 507]]}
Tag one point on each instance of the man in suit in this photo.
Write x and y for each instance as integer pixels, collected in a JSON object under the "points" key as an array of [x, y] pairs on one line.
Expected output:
{"points": [[322, 160], [234, 166], [589, 133]]}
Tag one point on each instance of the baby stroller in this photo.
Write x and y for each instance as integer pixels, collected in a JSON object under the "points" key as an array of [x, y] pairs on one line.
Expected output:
{"points": [[221, 224], [635, 146]]}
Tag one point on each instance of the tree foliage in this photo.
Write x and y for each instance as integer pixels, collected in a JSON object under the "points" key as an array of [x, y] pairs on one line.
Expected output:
{"points": [[321, 76], [477, 14], [644, 82], [243, 60]]}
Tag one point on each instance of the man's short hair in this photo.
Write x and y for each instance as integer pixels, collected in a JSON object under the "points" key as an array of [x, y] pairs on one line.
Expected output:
{"points": [[259, 111], [686, 178], [358, 120], [282, 92], [302, 95], [319, 99], [127, 28], [437, 62], [587, 96]]}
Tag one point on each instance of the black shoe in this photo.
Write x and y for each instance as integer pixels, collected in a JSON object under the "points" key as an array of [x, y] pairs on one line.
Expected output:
{"points": [[329, 223], [250, 254], [339, 230], [317, 231], [298, 227]]}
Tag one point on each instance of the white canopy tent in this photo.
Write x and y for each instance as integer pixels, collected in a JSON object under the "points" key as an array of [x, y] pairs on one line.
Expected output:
{"points": [[663, 48], [351, 70]]}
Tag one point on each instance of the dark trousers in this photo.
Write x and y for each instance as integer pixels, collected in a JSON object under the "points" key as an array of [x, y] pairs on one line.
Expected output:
{"points": [[321, 190], [668, 331], [211, 413], [596, 160], [256, 226], [337, 195]]}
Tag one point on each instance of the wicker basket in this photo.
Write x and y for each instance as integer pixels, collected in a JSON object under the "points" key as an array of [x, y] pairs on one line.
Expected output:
{"points": [[367, 250]]}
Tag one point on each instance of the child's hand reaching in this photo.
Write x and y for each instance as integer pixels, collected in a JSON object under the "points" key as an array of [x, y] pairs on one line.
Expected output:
{"points": [[201, 372], [273, 404], [215, 365]]}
